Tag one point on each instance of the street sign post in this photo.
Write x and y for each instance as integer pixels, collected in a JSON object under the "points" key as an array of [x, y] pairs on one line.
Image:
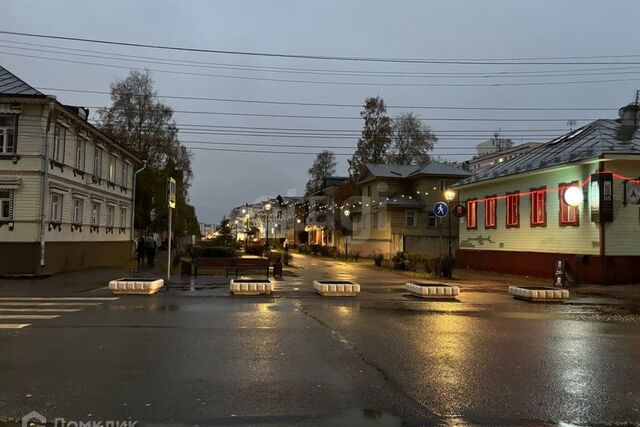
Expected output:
{"points": [[440, 209], [171, 204]]}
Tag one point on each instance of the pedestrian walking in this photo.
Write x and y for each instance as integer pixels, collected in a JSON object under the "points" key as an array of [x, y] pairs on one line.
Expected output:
{"points": [[150, 245], [140, 249]]}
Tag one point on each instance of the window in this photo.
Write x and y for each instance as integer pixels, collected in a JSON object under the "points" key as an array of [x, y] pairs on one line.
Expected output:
{"points": [[56, 207], [410, 218], [97, 163], [112, 167], [125, 174], [432, 221], [569, 215], [8, 130], [81, 147], [77, 210], [5, 205], [110, 214], [95, 214], [472, 214], [513, 210], [279, 215], [123, 217], [445, 184], [538, 207], [490, 212], [369, 190], [374, 220], [59, 136]]}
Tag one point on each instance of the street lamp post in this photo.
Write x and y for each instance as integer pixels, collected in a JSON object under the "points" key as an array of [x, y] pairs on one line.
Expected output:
{"points": [[449, 195], [346, 212], [267, 208], [295, 231]]}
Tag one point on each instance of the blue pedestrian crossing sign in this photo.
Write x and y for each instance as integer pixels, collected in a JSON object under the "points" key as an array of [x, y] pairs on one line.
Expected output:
{"points": [[440, 209]]}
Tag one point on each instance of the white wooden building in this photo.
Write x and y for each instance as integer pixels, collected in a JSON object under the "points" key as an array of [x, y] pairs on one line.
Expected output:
{"points": [[66, 189]]}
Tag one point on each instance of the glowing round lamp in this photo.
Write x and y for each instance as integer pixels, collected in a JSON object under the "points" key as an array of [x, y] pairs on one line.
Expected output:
{"points": [[449, 195], [298, 221], [267, 206], [573, 196], [347, 212]]}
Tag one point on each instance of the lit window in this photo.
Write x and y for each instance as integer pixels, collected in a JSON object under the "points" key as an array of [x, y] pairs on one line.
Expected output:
{"points": [[59, 136], [77, 210], [490, 212], [5, 205], [569, 215], [56, 207], [8, 128], [538, 207], [81, 147], [513, 210], [97, 163], [472, 214], [410, 218]]}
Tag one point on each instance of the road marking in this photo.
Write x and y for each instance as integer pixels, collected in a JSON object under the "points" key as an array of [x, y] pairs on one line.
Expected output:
{"points": [[47, 304], [41, 310], [58, 298], [14, 325], [29, 316]]}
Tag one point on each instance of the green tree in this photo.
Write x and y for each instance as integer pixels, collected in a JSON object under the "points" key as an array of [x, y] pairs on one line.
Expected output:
{"points": [[376, 136], [412, 141], [139, 121], [323, 167], [225, 235]]}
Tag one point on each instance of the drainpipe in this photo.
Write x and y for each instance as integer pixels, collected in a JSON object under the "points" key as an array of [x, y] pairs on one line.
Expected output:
{"points": [[45, 180], [133, 203]]}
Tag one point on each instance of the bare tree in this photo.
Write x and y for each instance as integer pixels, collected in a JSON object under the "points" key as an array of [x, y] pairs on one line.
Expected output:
{"points": [[323, 167], [412, 141], [376, 135]]}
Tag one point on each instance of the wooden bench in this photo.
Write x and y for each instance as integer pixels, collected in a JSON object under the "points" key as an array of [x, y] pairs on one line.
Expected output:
{"points": [[236, 264]]}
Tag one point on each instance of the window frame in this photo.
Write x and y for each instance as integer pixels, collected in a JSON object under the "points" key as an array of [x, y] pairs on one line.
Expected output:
{"points": [[97, 162], [111, 213], [493, 211], [414, 215], [124, 173], [432, 216], [81, 142], [473, 202], [123, 217], [112, 168], [8, 200], [562, 187], [59, 140], [77, 219], [53, 213], [510, 196], [95, 213], [533, 192], [9, 130]]}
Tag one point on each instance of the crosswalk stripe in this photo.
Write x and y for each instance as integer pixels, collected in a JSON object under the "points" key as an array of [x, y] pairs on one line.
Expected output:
{"points": [[40, 310], [58, 298], [46, 304], [28, 316], [14, 325]]}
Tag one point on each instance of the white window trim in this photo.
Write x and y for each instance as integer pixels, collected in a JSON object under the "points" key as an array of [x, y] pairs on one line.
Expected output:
{"points": [[52, 217], [73, 214], [3, 139], [9, 201], [84, 141], [406, 218]]}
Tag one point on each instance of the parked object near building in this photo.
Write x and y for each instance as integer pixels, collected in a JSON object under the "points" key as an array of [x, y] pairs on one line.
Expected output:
{"points": [[66, 189], [393, 211], [570, 199]]}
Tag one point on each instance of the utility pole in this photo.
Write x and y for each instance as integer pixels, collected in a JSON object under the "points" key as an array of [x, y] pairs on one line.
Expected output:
{"points": [[171, 204]]}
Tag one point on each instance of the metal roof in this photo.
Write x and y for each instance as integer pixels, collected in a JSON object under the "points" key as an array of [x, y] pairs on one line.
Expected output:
{"points": [[10, 84], [599, 137], [408, 171]]}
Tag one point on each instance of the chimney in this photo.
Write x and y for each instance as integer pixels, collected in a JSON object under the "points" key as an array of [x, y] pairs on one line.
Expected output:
{"points": [[630, 115]]}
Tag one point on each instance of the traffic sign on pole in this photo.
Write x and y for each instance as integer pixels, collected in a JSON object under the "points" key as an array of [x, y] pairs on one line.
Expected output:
{"points": [[440, 209]]}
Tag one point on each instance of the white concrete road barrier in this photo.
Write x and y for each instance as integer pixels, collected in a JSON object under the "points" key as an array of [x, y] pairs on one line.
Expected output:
{"points": [[250, 286], [136, 286], [336, 288], [538, 293], [432, 290]]}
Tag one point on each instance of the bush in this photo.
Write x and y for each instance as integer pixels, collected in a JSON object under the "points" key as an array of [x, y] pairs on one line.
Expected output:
{"points": [[315, 249], [378, 258], [434, 265], [329, 251], [417, 262], [212, 251], [257, 250], [283, 256], [304, 249], [400, 261]]}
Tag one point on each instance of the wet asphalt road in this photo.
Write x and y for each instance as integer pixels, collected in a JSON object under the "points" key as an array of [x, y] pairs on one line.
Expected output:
{"points": [[205, 358]]}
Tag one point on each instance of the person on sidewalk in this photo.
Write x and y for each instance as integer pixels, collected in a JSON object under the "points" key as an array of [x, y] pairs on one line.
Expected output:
{"points": [[140, 250], [150, 244]]}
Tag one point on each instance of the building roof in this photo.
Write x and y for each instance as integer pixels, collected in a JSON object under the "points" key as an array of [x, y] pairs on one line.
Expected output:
{"points": [[409, 171], [10, 84], [590, 141]]}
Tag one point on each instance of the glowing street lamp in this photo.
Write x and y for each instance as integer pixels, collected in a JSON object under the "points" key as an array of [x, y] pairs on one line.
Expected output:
{"points": [[267, 208], [346, 213], [573, 196], [449, 196]]}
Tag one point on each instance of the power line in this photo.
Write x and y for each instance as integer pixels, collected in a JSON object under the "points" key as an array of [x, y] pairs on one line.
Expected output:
{"points": [[326, 82], [483, 61], [317, 104], [322, 72]]}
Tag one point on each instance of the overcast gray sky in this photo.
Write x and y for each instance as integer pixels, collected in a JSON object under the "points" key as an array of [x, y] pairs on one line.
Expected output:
{"points": [[400, 29]]}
